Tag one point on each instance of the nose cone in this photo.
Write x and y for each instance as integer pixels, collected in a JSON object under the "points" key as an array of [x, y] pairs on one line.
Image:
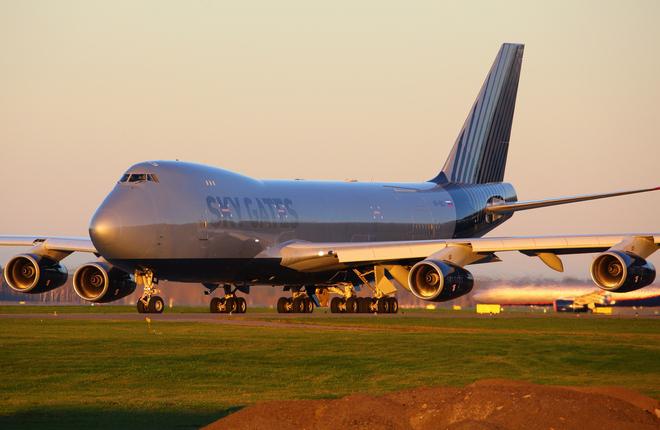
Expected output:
{"points": [[105, 230], [125, 225]]}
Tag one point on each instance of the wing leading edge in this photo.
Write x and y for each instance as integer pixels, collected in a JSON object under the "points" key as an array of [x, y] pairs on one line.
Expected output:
{"points": [[57, 244], [314, 257]]}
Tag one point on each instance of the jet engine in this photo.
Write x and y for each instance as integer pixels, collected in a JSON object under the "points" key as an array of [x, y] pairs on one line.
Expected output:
{"points": [[34, 274], [620, 272], [101, 283], [439, 281]]}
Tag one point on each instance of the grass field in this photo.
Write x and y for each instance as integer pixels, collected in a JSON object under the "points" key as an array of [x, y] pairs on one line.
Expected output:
{"points": [[58, 373]]}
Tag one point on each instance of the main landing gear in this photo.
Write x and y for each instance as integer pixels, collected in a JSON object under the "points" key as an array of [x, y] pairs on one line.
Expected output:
{"points": [[228, 304], [349, 303], [299, 303], [149, 303], [354, 305]]}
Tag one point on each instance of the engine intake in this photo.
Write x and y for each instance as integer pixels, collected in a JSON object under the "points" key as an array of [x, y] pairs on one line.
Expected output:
{"points": [[439, 281], [621, 272], [34, 274], [102, 283]]}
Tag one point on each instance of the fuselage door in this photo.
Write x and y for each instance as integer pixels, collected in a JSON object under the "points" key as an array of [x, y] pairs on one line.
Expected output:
{"points": [[203, 223]]}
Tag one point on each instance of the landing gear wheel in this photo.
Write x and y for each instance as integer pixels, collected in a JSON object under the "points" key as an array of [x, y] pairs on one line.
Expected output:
{"points": [[394, 305], [351, 305], [230, 305], [363, 305], [281, 305], [215, 305], [241, 305], [299, 305], [309, 306], [334, 305], [141, 307], [383, 305], [156, 305]]}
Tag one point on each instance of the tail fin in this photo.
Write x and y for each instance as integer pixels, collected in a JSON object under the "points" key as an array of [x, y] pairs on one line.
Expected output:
{"points": [[479, 154]]}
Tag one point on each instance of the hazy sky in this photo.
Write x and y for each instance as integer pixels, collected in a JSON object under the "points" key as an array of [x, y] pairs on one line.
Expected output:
{"points": [[373, 90]]}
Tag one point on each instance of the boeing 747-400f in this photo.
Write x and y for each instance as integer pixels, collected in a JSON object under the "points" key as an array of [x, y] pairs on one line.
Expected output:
{"points": [[176, 221]]}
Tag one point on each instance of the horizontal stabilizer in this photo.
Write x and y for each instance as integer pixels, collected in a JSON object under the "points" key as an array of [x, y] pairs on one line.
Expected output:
{"points": [[533, 204]]}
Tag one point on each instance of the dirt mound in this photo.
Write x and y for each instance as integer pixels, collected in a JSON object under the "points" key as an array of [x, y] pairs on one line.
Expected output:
{"points": [[484, 405]]}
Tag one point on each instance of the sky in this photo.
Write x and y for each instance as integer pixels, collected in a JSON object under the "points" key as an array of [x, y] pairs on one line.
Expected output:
{"points": [[364, 89]]}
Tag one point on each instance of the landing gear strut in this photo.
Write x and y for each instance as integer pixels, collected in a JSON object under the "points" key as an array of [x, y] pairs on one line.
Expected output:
{"points": [[228, 304], [149, 303]]}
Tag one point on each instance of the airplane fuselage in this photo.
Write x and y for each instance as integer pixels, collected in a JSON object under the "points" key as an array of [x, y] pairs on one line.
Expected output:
{"points": [[195, 223]]}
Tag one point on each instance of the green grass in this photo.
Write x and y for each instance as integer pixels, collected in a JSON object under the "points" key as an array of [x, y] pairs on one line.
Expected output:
{"points": [[111, 374]]}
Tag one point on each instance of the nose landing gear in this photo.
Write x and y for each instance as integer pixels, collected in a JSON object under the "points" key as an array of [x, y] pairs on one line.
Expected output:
{"points": [[150, 302]]}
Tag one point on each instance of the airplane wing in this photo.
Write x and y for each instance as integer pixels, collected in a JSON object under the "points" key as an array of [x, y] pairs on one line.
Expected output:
{"points": [[55, 244], [315, 257]]}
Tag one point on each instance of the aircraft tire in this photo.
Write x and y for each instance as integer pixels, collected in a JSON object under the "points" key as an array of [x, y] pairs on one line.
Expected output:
{"points": [[215, 305], [309, 306], [351, 305], [299, 305], [383, 305], [230, 305], [394, 305], [281, 305], [367, 305], [140, 307], [334, 305], [156, 305], [362, 304], [241, 305]]}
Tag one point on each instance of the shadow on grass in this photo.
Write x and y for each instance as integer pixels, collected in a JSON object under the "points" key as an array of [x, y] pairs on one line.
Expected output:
{"points": [[109, 418]]}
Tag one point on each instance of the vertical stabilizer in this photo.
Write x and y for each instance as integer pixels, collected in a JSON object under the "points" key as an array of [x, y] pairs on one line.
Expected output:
{"points": [[479, 154]]}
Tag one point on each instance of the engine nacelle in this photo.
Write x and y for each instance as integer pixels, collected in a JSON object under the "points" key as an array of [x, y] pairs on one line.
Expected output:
{"points": [[34, 274], [102, 283], [621, 272], [439, 281]]}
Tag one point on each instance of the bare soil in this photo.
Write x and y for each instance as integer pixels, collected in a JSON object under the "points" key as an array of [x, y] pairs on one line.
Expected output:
{"points": [[483, 405]]}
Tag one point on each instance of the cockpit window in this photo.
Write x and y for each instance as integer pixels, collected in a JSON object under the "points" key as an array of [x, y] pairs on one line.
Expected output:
{"points": [[139, 177]]}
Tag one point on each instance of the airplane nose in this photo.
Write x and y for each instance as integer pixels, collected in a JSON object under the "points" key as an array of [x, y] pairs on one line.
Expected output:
{"points": [[125, 225], [105, 228]]}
